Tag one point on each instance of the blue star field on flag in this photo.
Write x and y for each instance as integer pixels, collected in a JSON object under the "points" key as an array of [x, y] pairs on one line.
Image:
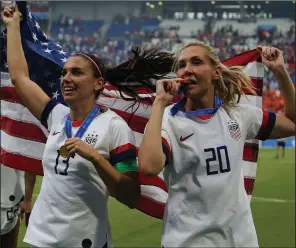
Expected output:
{"points": [[45, 57]]}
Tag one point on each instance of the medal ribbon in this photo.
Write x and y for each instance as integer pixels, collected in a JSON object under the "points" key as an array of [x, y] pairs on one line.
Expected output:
{"points": [[68, 126], [207, 111]]}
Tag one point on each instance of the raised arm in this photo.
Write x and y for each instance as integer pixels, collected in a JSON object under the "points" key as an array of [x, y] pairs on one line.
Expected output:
{"points": [[32, 96], [151, 157], [274, 61]]}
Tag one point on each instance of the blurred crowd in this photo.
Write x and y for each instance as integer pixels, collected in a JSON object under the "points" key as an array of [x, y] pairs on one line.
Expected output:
{"points": [[230, 42], [226, 40]]}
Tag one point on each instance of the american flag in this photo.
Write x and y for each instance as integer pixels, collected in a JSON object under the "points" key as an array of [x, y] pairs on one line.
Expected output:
{"points": [[23, 137]]}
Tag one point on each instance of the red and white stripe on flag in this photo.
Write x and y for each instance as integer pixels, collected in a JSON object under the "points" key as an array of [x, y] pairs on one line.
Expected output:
{"points": [[23, 137]]}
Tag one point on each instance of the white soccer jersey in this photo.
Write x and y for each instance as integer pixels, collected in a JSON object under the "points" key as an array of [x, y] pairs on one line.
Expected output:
{"points": [[71, 208], [12, 186], [207, 204]]}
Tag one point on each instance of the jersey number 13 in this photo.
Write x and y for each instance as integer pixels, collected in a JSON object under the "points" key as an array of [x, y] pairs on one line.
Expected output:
{"points": [[61, 169]]}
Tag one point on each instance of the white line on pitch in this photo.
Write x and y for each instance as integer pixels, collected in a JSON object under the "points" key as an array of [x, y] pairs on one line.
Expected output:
{"points": [[263, 199]]}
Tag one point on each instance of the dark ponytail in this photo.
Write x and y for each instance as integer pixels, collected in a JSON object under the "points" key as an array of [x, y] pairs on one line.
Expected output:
{"points": [[139, 71]]}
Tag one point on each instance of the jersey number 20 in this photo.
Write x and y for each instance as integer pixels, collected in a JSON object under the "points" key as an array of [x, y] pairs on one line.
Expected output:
{"points": [[217, 152]]}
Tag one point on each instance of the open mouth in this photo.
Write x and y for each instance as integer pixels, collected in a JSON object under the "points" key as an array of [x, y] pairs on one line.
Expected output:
{"points": [[69, 89]]}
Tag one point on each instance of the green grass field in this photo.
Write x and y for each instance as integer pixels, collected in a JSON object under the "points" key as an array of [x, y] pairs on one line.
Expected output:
{"points": [[274, 220]]}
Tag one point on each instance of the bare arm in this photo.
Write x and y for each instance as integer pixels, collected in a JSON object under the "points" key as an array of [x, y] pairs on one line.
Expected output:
{"points": [[284, 124], [30, 180], [26, 206], [288, 90], [32, 96], [125, 187], [283, 127], [151, 156]]}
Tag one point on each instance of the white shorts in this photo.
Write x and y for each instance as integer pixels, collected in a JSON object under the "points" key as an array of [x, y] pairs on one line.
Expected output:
{"points": [[9, 218]]}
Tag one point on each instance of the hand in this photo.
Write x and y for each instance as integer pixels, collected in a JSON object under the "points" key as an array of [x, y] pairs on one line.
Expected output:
{"points": [[78, 146], [167, 88], [11, 15], [26, 209], [271, 58]]}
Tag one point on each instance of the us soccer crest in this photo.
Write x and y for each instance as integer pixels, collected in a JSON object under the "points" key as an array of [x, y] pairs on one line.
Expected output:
{"points": [[234, 129], [91, 139]]}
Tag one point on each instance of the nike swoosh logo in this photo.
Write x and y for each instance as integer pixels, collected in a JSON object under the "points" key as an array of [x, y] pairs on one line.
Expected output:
{"points": [[54, 133], [186, 137]]}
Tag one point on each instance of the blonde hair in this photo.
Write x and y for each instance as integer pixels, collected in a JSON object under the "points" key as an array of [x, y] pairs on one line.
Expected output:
{"points": [[229, 87]]}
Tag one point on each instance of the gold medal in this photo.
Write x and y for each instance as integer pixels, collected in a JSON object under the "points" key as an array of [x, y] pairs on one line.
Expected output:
{"points": [[63, 152]]}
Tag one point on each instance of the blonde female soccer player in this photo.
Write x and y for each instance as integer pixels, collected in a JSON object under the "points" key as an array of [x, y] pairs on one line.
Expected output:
{"points": [[193, 142]]}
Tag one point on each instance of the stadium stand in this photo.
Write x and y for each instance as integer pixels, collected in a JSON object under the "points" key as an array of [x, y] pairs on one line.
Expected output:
{"points": [[113, 40]]}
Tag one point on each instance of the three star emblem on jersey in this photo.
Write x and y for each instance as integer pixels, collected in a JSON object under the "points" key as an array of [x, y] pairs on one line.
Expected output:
{"points": [[234, 129], [186, 137], [91, 139]]}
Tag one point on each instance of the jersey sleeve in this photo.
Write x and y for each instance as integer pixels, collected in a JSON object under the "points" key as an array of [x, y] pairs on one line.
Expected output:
{"points": [[261, 124], [123, 152], [166, 142], [52, 113]]}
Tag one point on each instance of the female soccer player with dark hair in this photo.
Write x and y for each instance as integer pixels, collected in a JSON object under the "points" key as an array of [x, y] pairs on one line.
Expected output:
{"points": [[90, 152]]}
